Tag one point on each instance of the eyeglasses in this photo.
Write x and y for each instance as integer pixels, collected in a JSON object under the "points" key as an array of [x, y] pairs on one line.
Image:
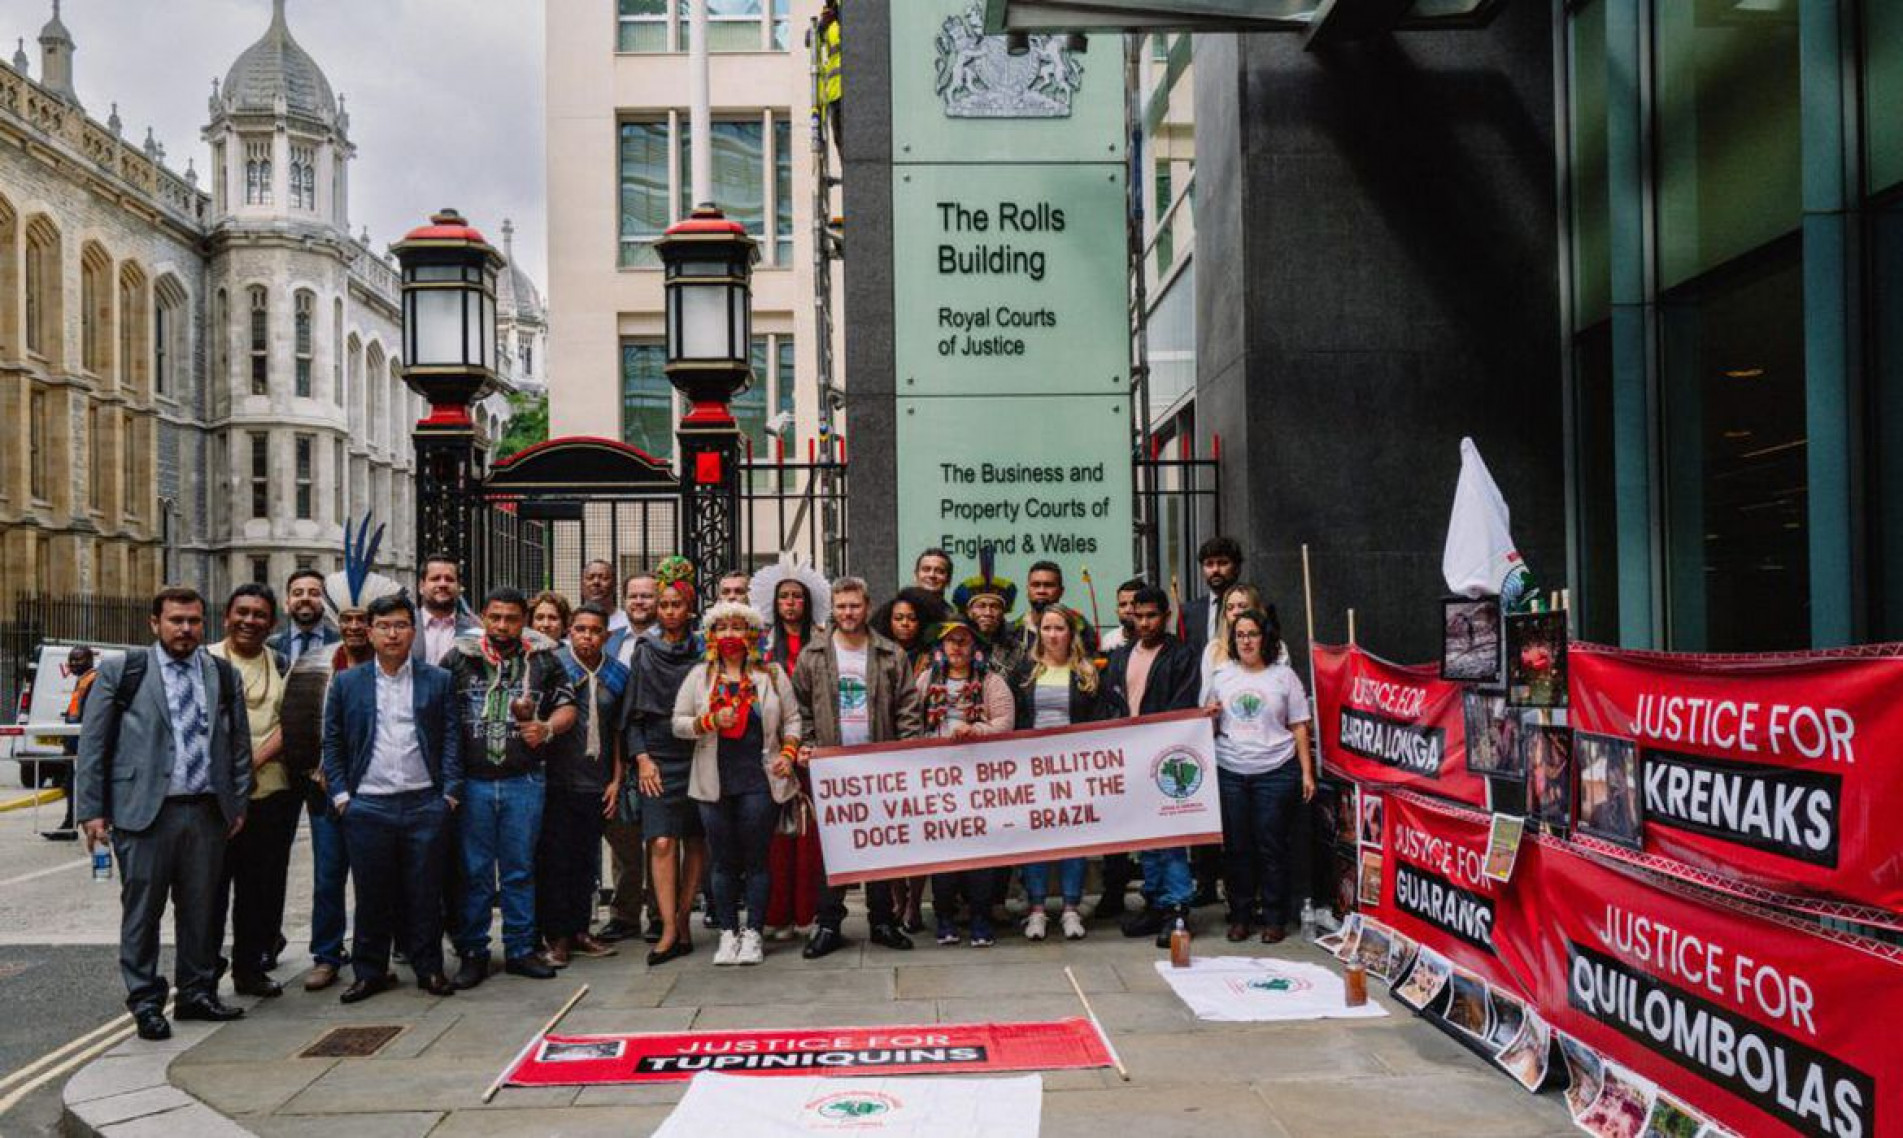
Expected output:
{"points": [[1240, 635], [391, 626]]}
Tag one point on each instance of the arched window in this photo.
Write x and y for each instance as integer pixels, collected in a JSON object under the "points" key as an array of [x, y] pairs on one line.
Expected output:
{"points": [[260, 341], [337, 353], [45, 295], [303, 180], [257, 173], [135, 332], [305, 305], [373, 379], [170, 343], [9, 280], [354, 372], [220, 378], [95, 310]]}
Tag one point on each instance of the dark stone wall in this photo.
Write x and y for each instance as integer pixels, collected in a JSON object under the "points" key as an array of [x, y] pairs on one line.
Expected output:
{"points": [[1389, 209]]}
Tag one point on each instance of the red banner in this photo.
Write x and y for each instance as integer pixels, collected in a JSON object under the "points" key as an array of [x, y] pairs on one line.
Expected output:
{"points": [[1781, 772], [1393, 724], [930, 1049], [1769, 1025]]}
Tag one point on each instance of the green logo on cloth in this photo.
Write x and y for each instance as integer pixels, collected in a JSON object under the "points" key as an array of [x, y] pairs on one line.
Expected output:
{"points": [[1247, 706], [1278, 984], [852, 1108], [1178, 772], [852, 694]]}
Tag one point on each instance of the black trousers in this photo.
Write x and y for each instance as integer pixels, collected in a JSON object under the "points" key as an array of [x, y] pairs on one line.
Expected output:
{"points": [[567, 862], [257, 864], [179, 858], [397, 844]]}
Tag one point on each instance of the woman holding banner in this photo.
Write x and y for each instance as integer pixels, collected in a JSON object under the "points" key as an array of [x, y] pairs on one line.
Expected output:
{"points": [[1057, 686], [958, 701], [1264, 768], [745, 723]]}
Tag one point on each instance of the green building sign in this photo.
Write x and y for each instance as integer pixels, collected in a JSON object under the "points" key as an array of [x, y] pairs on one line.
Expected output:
{"points": [[1009, 293]]}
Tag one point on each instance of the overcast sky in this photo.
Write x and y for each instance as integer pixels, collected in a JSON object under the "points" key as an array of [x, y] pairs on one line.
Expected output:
{"points": [[445, 96]]}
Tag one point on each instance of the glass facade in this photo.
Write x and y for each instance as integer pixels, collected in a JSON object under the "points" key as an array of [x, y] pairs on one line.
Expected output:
{"points": [[1732, 173], [751, 184], [732, 25], [647, 398]]}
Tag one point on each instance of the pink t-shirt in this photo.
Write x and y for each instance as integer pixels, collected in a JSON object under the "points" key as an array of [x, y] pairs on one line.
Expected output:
{"points": [[1138, 677]]}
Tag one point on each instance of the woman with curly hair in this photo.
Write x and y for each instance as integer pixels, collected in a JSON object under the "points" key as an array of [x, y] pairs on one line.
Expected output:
{"points": [[906, 619], [745, 723], [960, 700], [1056, 686]]}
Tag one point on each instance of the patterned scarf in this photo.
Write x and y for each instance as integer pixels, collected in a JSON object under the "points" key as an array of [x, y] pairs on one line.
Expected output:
{"points": [[970, 705]]}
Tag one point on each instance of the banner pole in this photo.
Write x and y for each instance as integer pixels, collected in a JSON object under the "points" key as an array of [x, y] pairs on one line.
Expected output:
{"points": [[1122, 1071], [1351, 629], [533, 1039], [1095, 617], [1308, 603]]}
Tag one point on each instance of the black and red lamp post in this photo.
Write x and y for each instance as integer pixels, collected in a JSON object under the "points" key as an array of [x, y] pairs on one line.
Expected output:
{"points": [[709, 274], [449, 358]]}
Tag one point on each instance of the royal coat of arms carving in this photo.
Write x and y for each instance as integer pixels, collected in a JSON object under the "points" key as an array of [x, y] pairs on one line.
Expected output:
{"points": [[979, 79]]}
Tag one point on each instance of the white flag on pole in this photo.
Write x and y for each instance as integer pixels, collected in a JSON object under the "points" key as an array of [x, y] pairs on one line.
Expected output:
{"points": [[923, 1106], [1480, 559]]}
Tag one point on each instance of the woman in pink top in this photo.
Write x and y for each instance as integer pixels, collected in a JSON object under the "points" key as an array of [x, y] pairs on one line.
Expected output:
{"points": [[960, 700]]}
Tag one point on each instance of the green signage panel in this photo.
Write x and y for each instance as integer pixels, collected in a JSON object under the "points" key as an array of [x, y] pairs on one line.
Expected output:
{"points": [[1009, 279], [1036, 477], [959, 95]]}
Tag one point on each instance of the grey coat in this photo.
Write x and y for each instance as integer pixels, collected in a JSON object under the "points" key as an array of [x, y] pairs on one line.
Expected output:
{"points": [[127, 786]]}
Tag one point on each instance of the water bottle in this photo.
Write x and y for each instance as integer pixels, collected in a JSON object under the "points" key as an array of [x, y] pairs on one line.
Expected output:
{"points": [[102, 863], [1308, 919]]}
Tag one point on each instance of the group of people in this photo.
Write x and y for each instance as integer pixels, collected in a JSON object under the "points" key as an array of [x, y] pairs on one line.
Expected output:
{"points": [[455, 760]]}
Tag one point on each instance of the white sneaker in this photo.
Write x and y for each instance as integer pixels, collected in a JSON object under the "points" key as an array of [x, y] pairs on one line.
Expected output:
{"points": [[781, 932], [1073, 925], [729, 950], [1036, 924], [750, 951]]}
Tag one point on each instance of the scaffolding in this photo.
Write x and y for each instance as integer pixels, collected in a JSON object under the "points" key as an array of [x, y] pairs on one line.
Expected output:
{"points": [[829, 249]]}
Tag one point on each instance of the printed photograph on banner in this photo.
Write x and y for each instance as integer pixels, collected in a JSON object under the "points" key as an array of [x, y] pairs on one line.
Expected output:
{"points": [[1608, 788], [1493, 736], [1370, 804], [1585, 1073], [1470, 640], [1334, 808], [1331, 943], [1425, 981], [1348, 814], [1549, 764], [1377, 940], [1402, 950], [1350, 938], [1370, 887], [1347, 882], [1672, 1119], [1508, 1016], [1467, 1004], [1503, 846], [1536, 659], [1526, 1057], [581, 1052], [1623, 1105]]}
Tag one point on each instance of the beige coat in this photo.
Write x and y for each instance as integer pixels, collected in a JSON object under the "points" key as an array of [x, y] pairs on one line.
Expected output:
{"points": [[779, 721]]}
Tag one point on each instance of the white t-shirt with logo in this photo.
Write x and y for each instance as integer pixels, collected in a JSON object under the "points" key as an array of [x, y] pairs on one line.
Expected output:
{"points": [[855, 716], [1253, 736]]}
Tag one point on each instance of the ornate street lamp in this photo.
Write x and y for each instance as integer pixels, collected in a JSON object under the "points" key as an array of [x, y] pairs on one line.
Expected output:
{"points": [[449, 347], [709, 272]]}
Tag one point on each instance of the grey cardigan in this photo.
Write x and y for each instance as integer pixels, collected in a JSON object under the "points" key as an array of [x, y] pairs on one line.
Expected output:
{"points": [[779, 720]]}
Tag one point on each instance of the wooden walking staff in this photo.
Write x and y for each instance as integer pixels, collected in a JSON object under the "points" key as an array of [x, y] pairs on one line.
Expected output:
{"points": [[533, 1040], [1176, 599], [1116, 1059], [1091, 587]]}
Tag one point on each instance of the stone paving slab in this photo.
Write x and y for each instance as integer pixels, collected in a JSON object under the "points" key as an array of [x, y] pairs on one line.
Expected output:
{"points": [[1470, 1105], [401, 1124], [136, 1104], [239, 1087], [1143, 1111]]}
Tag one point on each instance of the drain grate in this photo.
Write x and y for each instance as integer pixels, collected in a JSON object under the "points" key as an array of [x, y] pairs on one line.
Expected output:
{"points": [[351, 1042]]}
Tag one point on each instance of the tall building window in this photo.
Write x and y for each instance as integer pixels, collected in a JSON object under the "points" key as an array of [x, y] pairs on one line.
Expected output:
{"points": [[647, 398], [645, 196], [168, 335], [260, 341], [782, 190], [218, 177], [260, 474], [306, 456], [337, 352], [43, 290], [261, 570], [39, 439], [643, 26], [220, 379], [131, 486], [740, 172], [732, 25], [303, 180], [99, 467], [378, 410], [95, 309], [257, 174], [134, 327], [753, 185], [337, 479], [305, 304]]}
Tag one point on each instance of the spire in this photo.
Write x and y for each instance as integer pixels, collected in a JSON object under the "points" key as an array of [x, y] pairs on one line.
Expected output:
{"points": [[508, 240], [19, 57], [56, 58], [277, 13]]}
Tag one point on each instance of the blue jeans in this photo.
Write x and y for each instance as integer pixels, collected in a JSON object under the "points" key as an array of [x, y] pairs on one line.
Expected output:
{"points": [[1167, 880], [1070, 881], [739, 832], [398, 839], [501, 824], [1258, 811], [330, 870]]}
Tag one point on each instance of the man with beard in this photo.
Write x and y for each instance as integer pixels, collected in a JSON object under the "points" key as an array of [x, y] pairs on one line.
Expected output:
{"points": [[516, 698], [1221, 561], [442, 618], [598, 588], [584, 789], [307, 630], [1125, 632], [637, 616]]}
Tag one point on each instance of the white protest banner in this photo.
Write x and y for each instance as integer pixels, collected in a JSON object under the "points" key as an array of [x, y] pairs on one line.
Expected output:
{"points": [[1256, 989], [918, 1107], [938, 805]]}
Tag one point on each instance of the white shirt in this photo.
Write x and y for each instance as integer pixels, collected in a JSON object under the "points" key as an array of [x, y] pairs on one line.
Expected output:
{"points": [[396, 751], [1112, 640], [625, 653], [855, 716], [1258, 708], [439, 636], [617, 620]]}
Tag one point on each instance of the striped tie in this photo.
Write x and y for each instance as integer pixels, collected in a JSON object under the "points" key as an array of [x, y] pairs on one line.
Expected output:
{"points": [[194, 731]]}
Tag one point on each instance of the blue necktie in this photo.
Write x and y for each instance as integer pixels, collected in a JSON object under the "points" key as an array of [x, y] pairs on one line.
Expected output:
{"points": [[303, 645], [194, 732]]}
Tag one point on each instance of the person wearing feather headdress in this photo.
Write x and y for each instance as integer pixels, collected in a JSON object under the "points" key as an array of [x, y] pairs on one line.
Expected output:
{"points": [[987, 599], [792, 597]]}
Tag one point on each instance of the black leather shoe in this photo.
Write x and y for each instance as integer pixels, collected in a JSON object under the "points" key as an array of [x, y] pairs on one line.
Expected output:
{"points": [[259, 985], [660, 956], [361, 990], [891, 936], [654, 931], [823, 942], [617, 929], [1149, 922], [530, 965], [1170, 917], [206, 1008], [474, 971], [437, 985], [152, 1024]]}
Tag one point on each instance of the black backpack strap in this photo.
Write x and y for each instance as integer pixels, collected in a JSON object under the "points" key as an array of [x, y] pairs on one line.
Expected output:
{"points": [[131, 679]]}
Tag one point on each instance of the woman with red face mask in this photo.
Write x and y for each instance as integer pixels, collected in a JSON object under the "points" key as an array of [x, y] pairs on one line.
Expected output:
{"points": [[745, 723]]}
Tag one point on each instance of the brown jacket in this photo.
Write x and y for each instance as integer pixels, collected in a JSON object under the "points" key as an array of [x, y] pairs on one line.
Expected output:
{"points": [[892, 702]]}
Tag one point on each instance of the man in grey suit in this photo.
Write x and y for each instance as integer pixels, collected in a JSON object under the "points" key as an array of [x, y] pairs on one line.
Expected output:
{"points": [[164, 773]]}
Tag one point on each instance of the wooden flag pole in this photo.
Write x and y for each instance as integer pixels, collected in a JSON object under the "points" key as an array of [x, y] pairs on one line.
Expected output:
{"points": [[1097, 1023], [533, 1040]]}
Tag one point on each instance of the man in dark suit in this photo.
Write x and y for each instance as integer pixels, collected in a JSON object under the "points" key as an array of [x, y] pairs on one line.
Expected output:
{"points": [[1155, 672], [305, 629], [393, 764], [165, 774], [1221, 561]]}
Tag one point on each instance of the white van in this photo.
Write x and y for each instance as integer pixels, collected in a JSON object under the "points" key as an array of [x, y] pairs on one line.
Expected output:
{"points": [[40, 729]]}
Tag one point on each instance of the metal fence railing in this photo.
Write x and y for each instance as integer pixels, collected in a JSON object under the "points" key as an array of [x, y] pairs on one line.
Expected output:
{"points": [[34, 617]]}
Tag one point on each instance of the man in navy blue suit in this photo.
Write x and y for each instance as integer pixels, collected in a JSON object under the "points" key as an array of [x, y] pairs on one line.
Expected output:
{"points": [[393, 765]]}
